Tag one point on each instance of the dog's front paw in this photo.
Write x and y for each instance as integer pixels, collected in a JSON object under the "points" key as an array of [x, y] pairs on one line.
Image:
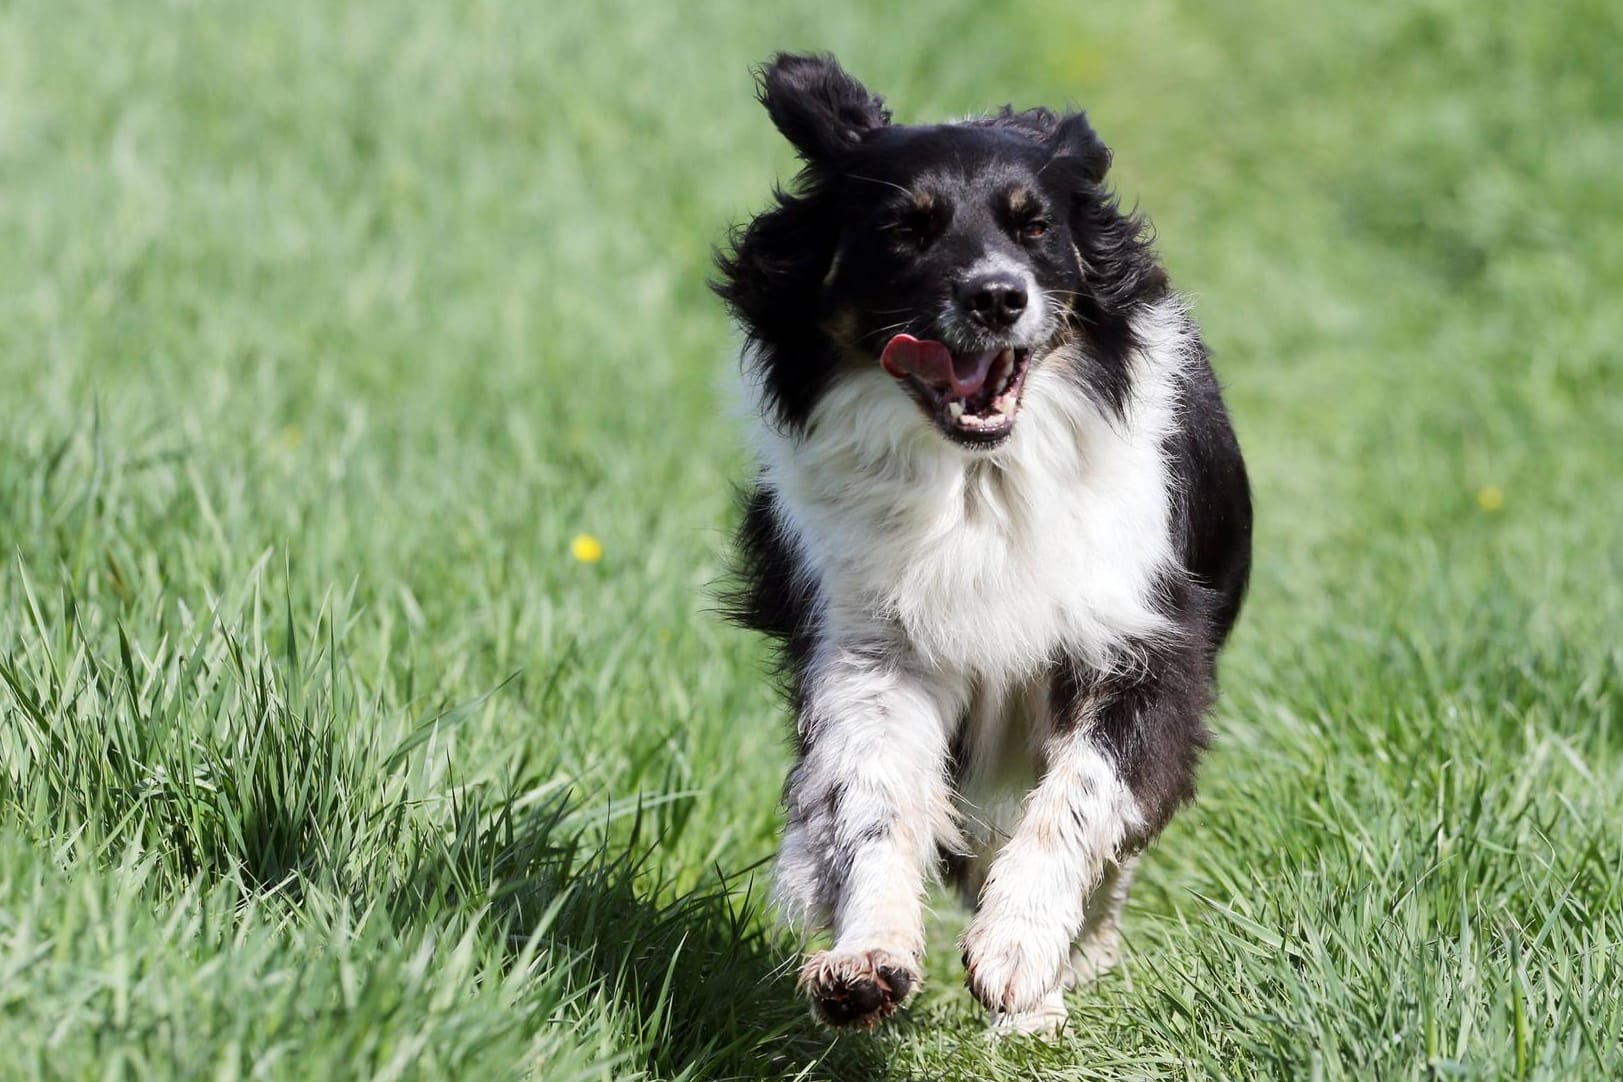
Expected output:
{"points": [[857, 988], [1013, 964]]}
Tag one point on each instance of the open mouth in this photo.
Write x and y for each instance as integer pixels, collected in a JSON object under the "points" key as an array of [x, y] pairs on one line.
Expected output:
{"points": [[973, 397]]}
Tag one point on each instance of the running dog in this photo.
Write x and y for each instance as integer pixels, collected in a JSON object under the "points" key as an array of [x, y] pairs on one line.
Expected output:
{"points": [[1000, 529]]}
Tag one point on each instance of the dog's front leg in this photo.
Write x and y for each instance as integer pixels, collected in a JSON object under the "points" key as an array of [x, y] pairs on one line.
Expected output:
{"points": [[867, 804], [1120, 757]]}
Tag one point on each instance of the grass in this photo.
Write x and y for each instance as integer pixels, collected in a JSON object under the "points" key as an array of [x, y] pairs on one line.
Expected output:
{"points": [[325, 328]]}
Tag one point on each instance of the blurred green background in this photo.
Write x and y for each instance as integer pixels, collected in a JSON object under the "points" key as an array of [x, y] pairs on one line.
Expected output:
{"points": [[325, 328]]}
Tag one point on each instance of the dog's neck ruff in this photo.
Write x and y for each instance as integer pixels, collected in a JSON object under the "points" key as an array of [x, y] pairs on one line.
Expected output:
{"points": [[991, 563]]}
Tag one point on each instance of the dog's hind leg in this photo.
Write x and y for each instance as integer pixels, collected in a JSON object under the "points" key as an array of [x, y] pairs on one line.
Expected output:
{"points": [[868, 806], [1097, 949]]}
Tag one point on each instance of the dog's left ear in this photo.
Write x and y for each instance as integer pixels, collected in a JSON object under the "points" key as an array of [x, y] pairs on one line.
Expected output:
{"points": [[817, 106], [1075, 138]]}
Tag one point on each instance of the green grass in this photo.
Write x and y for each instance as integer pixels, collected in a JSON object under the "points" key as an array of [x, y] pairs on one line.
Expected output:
{"points": [[323, 329]]}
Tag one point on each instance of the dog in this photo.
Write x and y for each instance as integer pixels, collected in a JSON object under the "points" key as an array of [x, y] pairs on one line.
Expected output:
{"points": [[1000, 529]]}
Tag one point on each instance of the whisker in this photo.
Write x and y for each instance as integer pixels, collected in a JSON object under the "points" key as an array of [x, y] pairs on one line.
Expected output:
{"points": [[886, 329], [876, 180]]}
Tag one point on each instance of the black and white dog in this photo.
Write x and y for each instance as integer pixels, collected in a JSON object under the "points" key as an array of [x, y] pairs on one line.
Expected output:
{"points": [[1001, 528]]}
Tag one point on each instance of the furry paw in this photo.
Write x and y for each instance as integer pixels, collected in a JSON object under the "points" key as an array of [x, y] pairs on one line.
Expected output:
{"points": [[860, 989], [1013, 964]]}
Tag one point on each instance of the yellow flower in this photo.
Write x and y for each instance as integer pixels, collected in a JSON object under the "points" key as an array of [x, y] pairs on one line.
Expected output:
{"points": [[586, 548], [1490, 498]]}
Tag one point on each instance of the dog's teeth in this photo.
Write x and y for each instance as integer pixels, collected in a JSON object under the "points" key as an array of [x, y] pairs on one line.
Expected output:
{"points": [[1002, 372], [956, 409]]}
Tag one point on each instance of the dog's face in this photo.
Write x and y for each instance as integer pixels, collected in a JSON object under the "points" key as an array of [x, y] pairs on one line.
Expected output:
{"points": [[954, 257], [953, 269]]}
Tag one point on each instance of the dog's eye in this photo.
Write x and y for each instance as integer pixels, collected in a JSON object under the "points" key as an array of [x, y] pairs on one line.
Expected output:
{"points": [[1035, 229], [909, 230]]}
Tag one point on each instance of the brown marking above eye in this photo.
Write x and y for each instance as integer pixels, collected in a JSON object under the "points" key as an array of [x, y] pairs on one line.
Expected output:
{"points": [[1023, 211], [916, 221]]}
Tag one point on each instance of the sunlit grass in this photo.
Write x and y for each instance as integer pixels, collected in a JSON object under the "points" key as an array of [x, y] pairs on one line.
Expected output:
{"points": [[365, 477]]}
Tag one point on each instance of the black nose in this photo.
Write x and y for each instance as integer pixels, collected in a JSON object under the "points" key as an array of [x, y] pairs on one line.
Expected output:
{"points": [[995, 301]]}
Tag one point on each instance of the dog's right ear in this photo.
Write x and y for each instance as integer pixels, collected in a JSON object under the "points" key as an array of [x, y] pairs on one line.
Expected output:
{"points": [[1075, 138], [819, 108]]}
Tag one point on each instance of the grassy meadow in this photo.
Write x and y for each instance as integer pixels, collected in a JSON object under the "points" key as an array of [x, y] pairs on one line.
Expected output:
{"points": [[326, 328]]}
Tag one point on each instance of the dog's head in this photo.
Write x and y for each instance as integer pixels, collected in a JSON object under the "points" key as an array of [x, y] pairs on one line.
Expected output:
{"points": [[955, 257]]}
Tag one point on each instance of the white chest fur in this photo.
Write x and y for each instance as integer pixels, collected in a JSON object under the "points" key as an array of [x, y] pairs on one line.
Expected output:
{"points": [[989, 564]]}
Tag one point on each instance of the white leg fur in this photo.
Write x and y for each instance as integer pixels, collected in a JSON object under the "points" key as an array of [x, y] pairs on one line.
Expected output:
{"points": [[999, 747], [867, 805], [1098, 948], [1034, 905]]}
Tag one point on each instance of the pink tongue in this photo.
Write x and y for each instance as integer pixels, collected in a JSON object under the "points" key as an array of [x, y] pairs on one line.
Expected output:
{"points": [[933, 363]]}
